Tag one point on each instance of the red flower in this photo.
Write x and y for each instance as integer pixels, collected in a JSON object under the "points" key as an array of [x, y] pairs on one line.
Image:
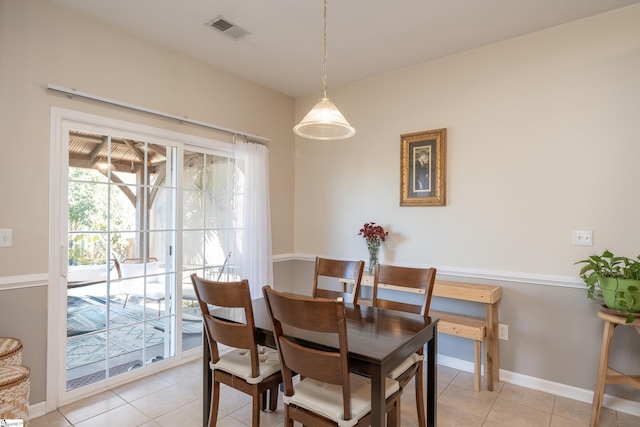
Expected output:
{"points": [[373, 234]]}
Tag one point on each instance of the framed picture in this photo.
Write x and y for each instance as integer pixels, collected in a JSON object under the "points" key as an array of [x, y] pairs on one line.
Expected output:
{"points": [[423, 163]]}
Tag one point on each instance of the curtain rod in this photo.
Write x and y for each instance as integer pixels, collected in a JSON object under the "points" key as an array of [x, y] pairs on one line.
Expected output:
{"points": [[73, 92]]}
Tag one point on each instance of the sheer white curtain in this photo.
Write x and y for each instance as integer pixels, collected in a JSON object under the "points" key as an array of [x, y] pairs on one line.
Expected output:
{"points": [[255, 259]]}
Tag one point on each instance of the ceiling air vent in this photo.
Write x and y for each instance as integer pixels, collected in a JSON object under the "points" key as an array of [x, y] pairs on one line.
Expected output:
{"points": [[228, 28]]}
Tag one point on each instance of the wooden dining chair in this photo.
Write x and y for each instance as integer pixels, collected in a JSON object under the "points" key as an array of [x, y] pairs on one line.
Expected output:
{"points": [[247, 367], [326, 394], [329, 279], [406, 289]]}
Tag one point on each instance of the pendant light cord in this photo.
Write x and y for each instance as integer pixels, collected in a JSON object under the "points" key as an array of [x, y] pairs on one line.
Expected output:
{"points": [[324, 53]]}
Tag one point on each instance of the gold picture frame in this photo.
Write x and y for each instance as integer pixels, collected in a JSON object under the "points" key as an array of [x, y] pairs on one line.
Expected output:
{"points": [[423, 164]]}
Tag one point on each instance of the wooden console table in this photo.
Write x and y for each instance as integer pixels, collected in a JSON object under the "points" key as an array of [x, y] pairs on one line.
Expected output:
{"points": [[475, 328]]}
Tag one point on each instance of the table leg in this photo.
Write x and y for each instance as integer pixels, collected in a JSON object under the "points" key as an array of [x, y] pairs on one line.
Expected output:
{"points": [[378, 401], [601, 380], [492, 359], [432, 379], [206, 383]]}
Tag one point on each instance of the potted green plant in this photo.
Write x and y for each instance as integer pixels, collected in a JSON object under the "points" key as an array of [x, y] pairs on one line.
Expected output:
{"points": [[614, 280]]}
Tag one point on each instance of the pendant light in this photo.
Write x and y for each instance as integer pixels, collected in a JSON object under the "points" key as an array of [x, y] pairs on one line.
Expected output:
{"points": [[324, 121]]}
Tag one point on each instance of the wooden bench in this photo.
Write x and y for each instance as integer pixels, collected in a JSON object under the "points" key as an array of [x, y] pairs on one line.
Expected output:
{"points": [[474, 328]]}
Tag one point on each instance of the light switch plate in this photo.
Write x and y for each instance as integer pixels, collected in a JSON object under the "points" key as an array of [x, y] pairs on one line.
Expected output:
{"points": [[6, 237]]}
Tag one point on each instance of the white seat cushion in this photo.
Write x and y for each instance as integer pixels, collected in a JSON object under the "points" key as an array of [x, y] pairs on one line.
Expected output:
{"points": [[326, 399], [238, 362], [408, 362]]}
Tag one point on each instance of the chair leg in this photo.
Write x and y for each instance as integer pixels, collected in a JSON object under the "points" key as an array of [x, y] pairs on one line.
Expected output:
{"points": [[257, 401], [215, 400], [419, 382], [273, 394], [288, 421], [393, 412]]}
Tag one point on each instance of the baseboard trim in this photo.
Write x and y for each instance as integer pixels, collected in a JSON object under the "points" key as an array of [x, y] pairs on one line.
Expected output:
{"points": [[582, 395], [37, 410]]}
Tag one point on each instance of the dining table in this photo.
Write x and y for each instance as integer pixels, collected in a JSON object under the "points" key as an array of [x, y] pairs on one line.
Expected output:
{"points": [[378, 340]]}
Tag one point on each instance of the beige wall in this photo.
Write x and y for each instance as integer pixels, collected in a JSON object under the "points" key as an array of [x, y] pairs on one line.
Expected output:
{"points": [[42, 43], [542, 140], [542, 137]]}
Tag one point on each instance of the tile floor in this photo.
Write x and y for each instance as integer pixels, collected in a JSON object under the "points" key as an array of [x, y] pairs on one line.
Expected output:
{"points": [[173, 399]]}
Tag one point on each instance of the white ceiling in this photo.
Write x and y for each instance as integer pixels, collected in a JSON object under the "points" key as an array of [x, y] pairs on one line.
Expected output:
{"points": [[365, 37]]}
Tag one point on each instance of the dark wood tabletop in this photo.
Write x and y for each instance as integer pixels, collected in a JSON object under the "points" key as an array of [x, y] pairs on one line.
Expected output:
{"points": [[379, 340]]}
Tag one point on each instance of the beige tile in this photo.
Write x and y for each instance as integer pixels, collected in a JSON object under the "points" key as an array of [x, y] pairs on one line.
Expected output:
{"points": [[174, 398], [581, 412], [517, 415], [231, 400], [557, 421], [465, 400], [408, 412], [91, 406], [229, 421], [122, 416], [450, 416], [267, 418], [572, 409], [493, 423], [52, 419], [626, 420], [190, 370], [167, 399], [465, 379], [141, 387], [528, 397], [186, 415], [446, 374], [609, 418]]}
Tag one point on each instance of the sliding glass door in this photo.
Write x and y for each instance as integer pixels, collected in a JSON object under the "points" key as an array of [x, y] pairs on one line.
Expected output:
{"points": [[122, 233], [135, 211]]}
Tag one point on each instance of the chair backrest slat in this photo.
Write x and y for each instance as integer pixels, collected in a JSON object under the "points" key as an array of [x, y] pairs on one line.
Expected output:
{"points": [[404, 277], [337, 269]]}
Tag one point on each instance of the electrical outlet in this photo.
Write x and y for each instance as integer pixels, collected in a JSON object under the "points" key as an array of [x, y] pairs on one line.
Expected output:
{"points": [[583, 237], [503, 332]]}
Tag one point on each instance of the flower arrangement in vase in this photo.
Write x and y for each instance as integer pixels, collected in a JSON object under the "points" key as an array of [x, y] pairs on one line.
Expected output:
{"points": [[373, 235]]}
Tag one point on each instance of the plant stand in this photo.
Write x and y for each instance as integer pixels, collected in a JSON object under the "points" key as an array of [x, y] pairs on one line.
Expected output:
{"points": [[607, 375]]}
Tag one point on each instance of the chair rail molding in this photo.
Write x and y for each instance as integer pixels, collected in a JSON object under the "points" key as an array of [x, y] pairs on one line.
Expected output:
{"points": [[491, 275], [24, 281]]}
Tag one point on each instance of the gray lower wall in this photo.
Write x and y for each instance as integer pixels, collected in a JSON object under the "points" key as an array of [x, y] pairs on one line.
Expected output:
{"points": [[554, 333], [23, 315]]}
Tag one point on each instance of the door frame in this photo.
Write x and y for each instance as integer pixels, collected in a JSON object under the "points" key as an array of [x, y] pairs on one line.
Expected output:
{"points": [[62, 120]]}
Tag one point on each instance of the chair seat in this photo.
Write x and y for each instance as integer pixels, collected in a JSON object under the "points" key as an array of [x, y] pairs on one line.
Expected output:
{"points": [[408, 362], [326, 399], [238, 362]]}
